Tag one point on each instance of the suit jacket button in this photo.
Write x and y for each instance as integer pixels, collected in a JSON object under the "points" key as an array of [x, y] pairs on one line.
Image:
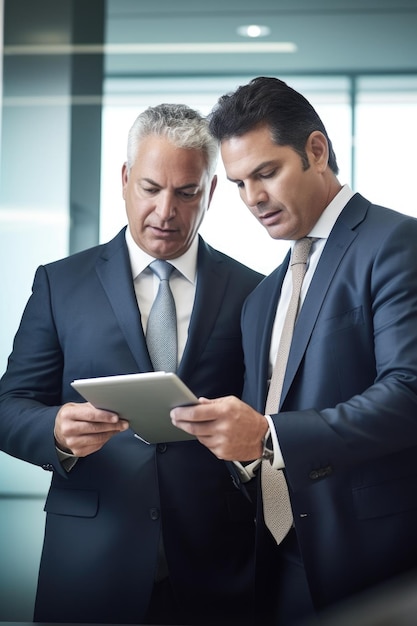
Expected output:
{"points": [[161, 447], [154, 513], [48, 467], [313, 475]]}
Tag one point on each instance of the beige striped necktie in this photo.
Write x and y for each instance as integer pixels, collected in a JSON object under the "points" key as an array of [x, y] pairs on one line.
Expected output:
{"points": [[276, 502]]}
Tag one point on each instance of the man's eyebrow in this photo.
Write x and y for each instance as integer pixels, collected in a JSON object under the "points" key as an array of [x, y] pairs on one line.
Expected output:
{"points": [[155, 184], [150, 182], [189, 186], [257, 169]]}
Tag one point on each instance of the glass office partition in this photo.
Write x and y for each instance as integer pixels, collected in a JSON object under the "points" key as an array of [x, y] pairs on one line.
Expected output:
{"points": [[386, 137], [48, 173]]}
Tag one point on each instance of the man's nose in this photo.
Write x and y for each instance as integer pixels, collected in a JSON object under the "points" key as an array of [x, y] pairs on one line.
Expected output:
{"points": [[165, 205], [255, 194]]}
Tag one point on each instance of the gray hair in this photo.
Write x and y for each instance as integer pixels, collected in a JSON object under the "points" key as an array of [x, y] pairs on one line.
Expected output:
{"points": [[182, 126]]}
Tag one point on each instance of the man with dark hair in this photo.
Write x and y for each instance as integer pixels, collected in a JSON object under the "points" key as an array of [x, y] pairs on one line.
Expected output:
{"points": [[136, 533], [328, 427], [290, 123]]}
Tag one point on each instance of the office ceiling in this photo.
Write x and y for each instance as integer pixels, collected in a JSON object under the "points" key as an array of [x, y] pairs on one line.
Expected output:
{"points": [[159, 37]]}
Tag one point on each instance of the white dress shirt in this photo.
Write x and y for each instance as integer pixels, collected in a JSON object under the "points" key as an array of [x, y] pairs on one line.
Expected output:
{"points": [[182, 281]]}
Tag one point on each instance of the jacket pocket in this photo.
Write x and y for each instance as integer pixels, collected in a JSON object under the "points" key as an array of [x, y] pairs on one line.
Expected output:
{"points": [[75, 502]]}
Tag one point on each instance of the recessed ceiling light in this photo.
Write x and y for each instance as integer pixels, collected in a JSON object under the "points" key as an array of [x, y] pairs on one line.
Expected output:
{"points": [[254, 30]]}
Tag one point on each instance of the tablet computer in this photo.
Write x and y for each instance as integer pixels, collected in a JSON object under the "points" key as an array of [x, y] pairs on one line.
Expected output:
{"points": [[145, 400]]}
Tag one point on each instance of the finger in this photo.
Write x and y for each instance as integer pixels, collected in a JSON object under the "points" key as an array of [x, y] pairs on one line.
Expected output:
{"points": [[195, 413], [86, 427], [85, 412], [82, 446], [90, 413], [204, 429], [67, 431]]}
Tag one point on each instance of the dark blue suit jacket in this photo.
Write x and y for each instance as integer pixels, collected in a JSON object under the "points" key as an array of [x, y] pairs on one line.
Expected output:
{"points": [[347, 424], [104, 518]]}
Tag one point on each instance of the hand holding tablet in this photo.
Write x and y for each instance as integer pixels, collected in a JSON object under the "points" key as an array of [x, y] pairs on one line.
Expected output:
{"points": [[145, 400]]}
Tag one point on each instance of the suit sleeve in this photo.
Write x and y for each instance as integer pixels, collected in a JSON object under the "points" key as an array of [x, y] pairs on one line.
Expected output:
{"points": [[30, 390]]}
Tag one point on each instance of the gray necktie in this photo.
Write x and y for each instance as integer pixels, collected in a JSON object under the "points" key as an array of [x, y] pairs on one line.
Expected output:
{"points": [[161, 331], [276, 502]]}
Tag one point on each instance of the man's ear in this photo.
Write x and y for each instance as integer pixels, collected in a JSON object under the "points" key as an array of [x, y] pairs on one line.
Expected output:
{"points": [[212, 188], [318, 148], [125, 177]]}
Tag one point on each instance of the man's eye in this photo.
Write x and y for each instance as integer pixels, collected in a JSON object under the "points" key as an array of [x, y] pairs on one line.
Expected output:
{"points": [[187, 194], [268, 174], [150, 190]]}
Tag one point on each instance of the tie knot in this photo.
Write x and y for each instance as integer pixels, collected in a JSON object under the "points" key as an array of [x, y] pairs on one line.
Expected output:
{"points": [[161, 268], [301, 250]]}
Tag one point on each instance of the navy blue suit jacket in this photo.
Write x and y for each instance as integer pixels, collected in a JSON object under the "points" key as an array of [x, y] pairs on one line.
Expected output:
{"points": [[347, 424], [104, 518]]}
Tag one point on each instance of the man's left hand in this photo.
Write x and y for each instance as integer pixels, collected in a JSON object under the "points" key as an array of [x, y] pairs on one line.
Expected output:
{"points": [[231, 429]]}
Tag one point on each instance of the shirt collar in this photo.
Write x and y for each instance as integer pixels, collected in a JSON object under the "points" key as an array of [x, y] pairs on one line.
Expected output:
{"points": [[186, 264], [322, 228]]}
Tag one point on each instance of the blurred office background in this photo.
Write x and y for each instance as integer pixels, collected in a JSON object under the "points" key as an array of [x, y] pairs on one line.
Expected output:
{"points": [[75, 74]]}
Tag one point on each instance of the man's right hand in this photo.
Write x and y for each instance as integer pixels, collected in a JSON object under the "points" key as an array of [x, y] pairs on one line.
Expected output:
{"points": [[81, 429]]}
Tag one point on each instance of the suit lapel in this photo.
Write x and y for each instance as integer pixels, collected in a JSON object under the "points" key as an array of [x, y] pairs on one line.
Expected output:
{"points": [[339, 241], [114, 271], [210, 291]]}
